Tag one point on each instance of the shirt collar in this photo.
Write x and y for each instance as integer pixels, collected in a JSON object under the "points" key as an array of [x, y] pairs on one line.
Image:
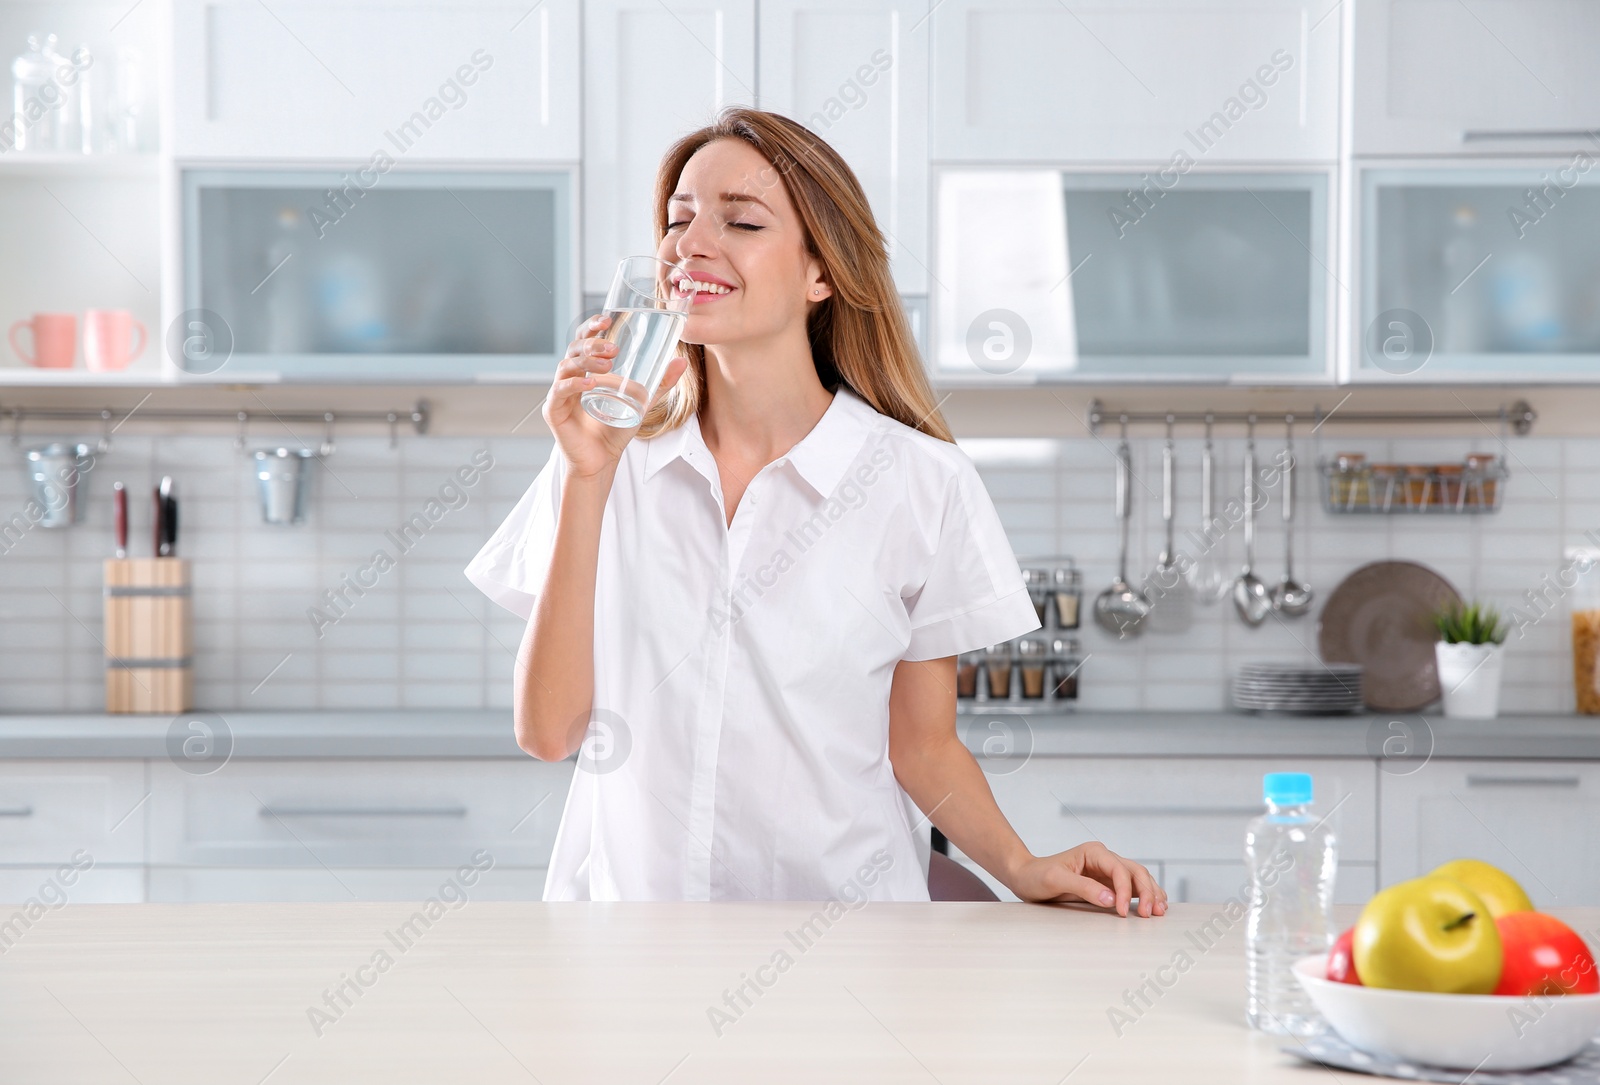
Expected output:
{"points": [[821, 457]]}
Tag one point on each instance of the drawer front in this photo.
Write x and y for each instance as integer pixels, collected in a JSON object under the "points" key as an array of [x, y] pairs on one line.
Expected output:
{"points": [[1533, 819], [227, 885], [357, 813], [53, 886], [1188, 809], [51, 810], [1213, 883]]}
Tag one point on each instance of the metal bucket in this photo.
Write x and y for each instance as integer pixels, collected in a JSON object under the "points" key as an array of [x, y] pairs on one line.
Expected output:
{"points": [[281, 484], [53, 474]]}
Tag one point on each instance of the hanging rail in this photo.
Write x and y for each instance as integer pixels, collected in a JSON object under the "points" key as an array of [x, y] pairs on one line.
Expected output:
{"points": [[1518, 417], [416, 417]]}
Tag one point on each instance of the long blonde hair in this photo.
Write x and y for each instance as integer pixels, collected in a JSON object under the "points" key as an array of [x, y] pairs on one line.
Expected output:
{"points": [[859, 336]]}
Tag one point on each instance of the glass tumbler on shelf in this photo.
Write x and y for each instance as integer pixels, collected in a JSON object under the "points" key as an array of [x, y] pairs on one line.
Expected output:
{"points": [[997, 666], [1032, 653], [967, 666], [648, 305]]}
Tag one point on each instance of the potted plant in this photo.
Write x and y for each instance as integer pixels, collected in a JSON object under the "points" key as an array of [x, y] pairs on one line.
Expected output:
{"points": [[1471, 656]]}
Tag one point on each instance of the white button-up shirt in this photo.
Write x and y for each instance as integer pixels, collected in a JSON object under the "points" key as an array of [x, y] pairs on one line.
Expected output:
{"points": [[738, 747]]}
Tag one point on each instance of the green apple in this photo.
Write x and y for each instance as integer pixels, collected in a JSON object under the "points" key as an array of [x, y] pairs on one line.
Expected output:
{"points": [[1428, 934], [1498, 889]]}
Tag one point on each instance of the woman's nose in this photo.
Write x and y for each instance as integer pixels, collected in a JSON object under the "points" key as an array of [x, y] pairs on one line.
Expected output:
{"points": [[698, 239]]}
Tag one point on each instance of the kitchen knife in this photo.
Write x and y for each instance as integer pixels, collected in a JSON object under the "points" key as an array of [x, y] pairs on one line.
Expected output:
{"points": [[119, 498], [171, 521], [163, 517], [156, 530]]}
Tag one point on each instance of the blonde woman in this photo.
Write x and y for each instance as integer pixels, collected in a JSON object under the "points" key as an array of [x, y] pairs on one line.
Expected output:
{"points": [[751, 604]]}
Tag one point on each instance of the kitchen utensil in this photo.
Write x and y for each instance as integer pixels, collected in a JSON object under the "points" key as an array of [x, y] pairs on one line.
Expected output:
{"points": [[111, 339], [648, 304], [169, 519], [1381, 616], [119, 517], [1171, 606], [158, 529], [54, 474], [55, 340], [1207, 578], [1290, 597], [1466, 1032], [280, 482], [1121, 609], [148, 635], [1250, 596]]}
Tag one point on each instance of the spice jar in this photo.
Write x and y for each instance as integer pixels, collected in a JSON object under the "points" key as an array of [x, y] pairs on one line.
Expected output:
{"points": [[1418, 489], [1064, 666], [1385, 482], [1482, 479], [1447, 492], [1037, 581], [1032, 654], [1351, 481], [997, 663], [1068, 584], [1586, 640], [967, 665]]}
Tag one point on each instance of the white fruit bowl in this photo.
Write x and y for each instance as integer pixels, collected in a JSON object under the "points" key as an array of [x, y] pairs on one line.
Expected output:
{"points": [[1488, 1032]]}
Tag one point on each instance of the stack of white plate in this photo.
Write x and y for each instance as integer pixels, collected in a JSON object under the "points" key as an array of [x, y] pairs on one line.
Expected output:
{"points": [[1317, 689]]}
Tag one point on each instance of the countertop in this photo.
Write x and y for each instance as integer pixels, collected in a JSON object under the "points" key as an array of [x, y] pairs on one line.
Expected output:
{"points": [[450, 733], [632, 993]]}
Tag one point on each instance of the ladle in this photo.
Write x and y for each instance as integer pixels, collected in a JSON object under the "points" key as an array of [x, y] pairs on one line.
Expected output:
{"points": [[1251, 597], [1121, 608], [1290, 596]]}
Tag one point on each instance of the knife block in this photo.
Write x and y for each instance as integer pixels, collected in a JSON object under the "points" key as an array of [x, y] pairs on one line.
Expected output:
{"points": [[148, 635]]}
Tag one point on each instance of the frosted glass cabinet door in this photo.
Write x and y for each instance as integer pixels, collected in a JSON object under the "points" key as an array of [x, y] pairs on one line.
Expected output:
{"points": [[1112, 81], [416, 79], [654, 70], [1489, 76], [856, 73], [1480, 273], [316, 274]]}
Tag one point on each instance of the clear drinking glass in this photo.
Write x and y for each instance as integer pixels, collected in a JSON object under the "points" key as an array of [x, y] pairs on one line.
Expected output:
{"points": [[648, 304]]}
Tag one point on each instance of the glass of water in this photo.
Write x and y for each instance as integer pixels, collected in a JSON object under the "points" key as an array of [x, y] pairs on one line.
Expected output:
{"points": [[648, 304]]}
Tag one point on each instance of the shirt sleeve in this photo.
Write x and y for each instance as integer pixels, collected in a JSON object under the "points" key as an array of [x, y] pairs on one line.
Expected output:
{"points": [[973, 596], [511, 567]]}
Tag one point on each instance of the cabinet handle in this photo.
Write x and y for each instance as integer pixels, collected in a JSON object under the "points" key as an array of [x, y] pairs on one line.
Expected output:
{"points": [[16, 811], [1523, 781], [1163, 811], [1481, 135], [363, 811]]}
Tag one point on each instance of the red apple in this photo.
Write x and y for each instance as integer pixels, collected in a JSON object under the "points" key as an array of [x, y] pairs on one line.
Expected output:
{"points": [[1544, 956], [1342, 959]]}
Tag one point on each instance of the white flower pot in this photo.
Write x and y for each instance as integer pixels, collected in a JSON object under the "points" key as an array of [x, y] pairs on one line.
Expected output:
{"points": [[1469, 677]]}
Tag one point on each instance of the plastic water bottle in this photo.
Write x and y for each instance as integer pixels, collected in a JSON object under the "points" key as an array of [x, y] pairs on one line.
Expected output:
{"points": [[1291, 855]]}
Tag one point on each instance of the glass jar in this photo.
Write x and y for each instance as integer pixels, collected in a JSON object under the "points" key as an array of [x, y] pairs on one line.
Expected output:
{"points": [[1482, 479], [997, 667], [1068, 584], [1037, 581], [1385, 483], [1447, 492], [967, 665], [1418, 489], [1351, 481], [1064, 665], [1586, 633], [1032, 654]]}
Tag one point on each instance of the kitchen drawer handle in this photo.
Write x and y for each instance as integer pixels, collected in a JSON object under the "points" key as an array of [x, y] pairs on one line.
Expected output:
{"points": [[1164, 811], [363, 811], [16, 811], [1523, 781], [1479, 135]]}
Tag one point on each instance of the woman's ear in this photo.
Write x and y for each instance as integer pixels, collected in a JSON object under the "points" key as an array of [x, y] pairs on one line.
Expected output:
{"points": [[819, 290]]}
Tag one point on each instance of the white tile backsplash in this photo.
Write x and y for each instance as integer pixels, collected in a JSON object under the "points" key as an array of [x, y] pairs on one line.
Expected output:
{"points": [[422, 636]]}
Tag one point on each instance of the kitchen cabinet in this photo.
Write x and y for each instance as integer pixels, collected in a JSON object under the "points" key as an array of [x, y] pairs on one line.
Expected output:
{"points": [[1533, 819], [1481, 271], [856, 73], [53, 810], [427, 273], [1441, 77], [414, 815], [1037, 81], [1191, 833], [1111, 276], [654, 70], [355, 79]]}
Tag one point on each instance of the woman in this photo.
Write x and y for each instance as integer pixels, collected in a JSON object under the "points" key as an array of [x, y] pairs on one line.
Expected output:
{"points": [[754, 601]]}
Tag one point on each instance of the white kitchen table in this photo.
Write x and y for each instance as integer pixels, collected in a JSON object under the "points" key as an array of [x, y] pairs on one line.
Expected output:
{"points": [[591, 993]]}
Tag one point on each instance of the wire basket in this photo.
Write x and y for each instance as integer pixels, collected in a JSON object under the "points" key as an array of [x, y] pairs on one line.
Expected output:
{"points": [[1476, 486]]}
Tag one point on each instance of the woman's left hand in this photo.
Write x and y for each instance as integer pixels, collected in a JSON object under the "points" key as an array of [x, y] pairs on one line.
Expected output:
{"points": [[1090, 872]]}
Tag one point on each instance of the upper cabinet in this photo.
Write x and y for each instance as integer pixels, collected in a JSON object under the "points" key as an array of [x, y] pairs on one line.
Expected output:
{"points": [[856, 73], [1039, 81], [1485, 77], [355, 79], [654, 70]]}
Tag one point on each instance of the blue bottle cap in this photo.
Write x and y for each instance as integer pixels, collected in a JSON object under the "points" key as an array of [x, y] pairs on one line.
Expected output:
{"points": [[1286, 788]]}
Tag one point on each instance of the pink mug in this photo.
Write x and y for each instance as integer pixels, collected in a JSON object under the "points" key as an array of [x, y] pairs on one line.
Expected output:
{"points": [[111, 339], [55, 340]]}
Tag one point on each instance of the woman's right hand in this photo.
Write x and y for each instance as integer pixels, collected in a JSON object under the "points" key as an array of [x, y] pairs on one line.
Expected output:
{"points": [[589, 446]]}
